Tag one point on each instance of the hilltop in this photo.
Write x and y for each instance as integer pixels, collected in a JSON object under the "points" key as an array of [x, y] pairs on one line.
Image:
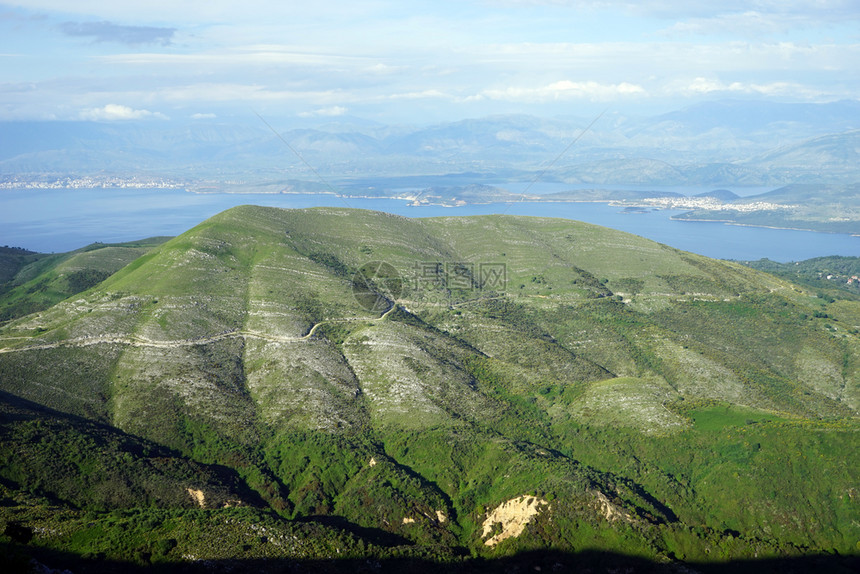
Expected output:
{"points": [[721, 194], [436, 388]]}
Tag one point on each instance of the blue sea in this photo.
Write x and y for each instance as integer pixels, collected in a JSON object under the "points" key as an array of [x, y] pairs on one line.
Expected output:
{"points": [[57, 220]]}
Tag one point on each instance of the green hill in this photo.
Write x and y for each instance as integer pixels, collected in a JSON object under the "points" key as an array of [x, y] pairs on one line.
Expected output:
{"points": [[453, 386], [12, 259], [31, 282]]}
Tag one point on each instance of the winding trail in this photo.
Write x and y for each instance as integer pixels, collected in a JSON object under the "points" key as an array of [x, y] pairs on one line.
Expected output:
{"points": [[136, 341]]}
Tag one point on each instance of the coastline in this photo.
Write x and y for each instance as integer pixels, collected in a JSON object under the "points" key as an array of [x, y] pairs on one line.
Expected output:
{"points": [[762, 226]]}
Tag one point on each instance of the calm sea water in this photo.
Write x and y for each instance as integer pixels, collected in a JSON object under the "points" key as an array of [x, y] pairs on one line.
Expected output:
{"points": [[65, 219]]}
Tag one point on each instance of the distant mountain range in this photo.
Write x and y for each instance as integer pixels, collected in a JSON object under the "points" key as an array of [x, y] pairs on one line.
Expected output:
{"points": [[726, 143]]}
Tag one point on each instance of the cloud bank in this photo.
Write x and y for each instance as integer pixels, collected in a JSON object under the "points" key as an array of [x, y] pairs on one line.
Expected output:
{"points": [[393, 62], [114, 112], [332, 111], [110, 32]]}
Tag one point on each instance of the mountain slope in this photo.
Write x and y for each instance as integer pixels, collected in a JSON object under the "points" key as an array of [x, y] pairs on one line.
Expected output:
{"points": [[111, 469], [815, 159], [422, 379], [35, 281]]}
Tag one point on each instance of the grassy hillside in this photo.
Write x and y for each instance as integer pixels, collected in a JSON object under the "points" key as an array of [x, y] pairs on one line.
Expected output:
{"points": [[460, 386], [12, 259], [84, 464], [821, 273], [31, 282]]}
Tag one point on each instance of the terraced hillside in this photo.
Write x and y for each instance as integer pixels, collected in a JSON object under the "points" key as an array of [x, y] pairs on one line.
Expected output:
{"points": [[442, 388]]}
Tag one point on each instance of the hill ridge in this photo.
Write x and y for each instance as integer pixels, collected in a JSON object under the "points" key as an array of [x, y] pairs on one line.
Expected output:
{"points": [[474, 361]]}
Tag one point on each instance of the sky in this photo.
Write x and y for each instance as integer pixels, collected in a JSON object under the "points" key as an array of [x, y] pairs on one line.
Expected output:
{"points": [[416, 62]]}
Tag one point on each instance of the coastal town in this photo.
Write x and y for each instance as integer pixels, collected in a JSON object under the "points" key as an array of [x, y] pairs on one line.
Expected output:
{"points": [[703, 203], [87, 182]]}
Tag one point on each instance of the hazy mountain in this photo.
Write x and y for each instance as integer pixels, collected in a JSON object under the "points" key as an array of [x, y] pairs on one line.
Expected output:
{"points": [[709, 144], [759, 117], [486, 138], [808, 194], [374, 386], [823, 159], [721, 194]]}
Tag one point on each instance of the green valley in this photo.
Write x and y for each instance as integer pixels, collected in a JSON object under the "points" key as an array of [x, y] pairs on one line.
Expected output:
{"points": [[338, 390]]}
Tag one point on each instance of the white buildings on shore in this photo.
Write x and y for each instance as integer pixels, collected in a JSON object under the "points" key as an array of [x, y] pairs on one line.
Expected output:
{"points": [[706, 203]]}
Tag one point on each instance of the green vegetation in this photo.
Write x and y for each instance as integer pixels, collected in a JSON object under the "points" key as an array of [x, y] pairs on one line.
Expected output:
{"points": [[31, 282], [821, 273], [226, 390], [12, 259], [717, 417]]}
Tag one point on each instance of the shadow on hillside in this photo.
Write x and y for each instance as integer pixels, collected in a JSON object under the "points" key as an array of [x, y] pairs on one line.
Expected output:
{"points": [[376, 536], [19, 558], [15, 409]]}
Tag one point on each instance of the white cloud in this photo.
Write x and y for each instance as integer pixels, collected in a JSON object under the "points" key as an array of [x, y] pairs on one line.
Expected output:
{"points": [[200, 116], [196, 11], [420, 95], [702, 85], [325, 112], [241, 56], [749, 24], [814, 11], [112, 112], [384, 69], [110, 32], [383, 57], [243, 94], [564, 90]]}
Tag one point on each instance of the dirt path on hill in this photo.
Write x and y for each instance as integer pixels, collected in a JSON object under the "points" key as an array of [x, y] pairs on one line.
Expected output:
{"points": [[136, 341]]}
